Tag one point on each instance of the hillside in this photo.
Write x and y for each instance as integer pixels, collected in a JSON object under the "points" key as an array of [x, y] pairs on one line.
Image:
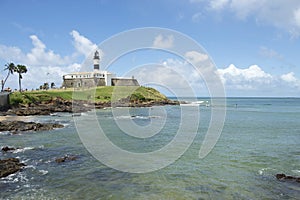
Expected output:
{"points": [[98, 95]]}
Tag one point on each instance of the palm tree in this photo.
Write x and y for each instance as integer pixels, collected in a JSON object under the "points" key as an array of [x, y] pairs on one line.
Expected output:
{"points": [[10, 67], [20, 69]]}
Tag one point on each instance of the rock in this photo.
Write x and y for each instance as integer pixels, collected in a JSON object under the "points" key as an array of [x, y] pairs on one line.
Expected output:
{"points": [[6, 149], [18, 126], [65, 158], [9, 166], [285, 177]]}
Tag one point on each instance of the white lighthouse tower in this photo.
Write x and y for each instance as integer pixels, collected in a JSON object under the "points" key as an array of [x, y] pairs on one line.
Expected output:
{"points": [[96, 61]]}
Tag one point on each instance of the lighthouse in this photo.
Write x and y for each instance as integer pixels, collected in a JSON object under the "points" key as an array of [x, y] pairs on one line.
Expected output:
{"points": [[96, 61]]}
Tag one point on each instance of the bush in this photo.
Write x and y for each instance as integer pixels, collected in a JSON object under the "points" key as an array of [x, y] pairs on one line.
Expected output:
{"points": [[137, 97], [15, 101]]}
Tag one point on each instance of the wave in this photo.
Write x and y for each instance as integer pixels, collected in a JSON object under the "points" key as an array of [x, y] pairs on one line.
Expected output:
{"points": [[15, 178], [137, 117], [268, 171], [21, 150], [43, 172], [195, 103], [5, 133], [296, 171]]}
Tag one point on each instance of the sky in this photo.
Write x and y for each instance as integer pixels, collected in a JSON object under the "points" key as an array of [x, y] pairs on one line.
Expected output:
{"points": [[254, 44]]}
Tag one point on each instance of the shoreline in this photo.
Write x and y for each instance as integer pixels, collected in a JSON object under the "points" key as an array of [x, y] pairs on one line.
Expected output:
{"points": [[78, 106]]}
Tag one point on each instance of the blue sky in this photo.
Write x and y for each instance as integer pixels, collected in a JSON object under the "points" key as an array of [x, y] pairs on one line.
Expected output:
{"points": [[255, 44]]}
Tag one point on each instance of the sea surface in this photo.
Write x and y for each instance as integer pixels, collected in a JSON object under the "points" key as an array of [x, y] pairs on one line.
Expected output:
{"points": [[260, 138]]}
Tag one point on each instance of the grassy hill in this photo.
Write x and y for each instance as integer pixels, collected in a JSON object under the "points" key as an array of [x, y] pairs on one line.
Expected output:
{"points": [[99, 94]]}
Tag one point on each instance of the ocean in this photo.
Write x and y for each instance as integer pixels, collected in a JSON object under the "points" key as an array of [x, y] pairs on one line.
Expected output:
{"points": [[260, 138]]}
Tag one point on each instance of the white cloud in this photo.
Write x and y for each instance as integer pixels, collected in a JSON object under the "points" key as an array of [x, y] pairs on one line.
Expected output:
{"points": [[44, 65], [36, 57], [161, 41], [196, 17], [195, 57], [82, 44], [281, 14], [254, 79], [297, 17], [270, 53], [175, 75], [218, 4], [291, 79], [248, 78]]}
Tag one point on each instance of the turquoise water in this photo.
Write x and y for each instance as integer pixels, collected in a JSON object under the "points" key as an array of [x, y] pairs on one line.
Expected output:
{"points": [[260, 138]]}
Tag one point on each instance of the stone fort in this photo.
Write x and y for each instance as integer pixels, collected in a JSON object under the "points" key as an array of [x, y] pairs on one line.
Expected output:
{"points": [[97, 77]]}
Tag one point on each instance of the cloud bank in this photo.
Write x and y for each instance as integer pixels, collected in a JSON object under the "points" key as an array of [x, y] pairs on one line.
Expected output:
{"points": [[47, 66], [281, 14], [44, 65], [161, 41], [253, 81]]}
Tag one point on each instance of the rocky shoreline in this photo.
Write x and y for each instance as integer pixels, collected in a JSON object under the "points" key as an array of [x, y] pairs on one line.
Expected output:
{"points": [[20, 126], [60, 105], [10, 166]]}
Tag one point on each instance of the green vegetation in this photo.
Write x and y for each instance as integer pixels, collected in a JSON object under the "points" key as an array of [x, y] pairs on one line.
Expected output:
{"points": [[20, 69], [11, 68], [99, 94]]}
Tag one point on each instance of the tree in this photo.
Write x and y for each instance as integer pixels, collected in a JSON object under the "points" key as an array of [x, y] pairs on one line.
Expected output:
{"points": [[46, 86], [52, 85], [20, 69], [10, 67]]}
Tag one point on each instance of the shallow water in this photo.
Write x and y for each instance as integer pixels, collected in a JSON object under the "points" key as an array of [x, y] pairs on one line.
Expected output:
{"points": [[261, 138]]}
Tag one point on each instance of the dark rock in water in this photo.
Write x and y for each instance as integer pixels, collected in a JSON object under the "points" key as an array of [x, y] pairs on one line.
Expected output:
{"points": [[10, 166], [18, 126], [65, 158], [285, 177], [6, 149]]}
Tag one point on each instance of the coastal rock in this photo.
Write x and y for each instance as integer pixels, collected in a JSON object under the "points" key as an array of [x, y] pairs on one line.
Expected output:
{"points": [[18, 126], [65, 158], [10, 166], [285, 177], [58, 104], [51, 106], [127, 102], [6, 149]]}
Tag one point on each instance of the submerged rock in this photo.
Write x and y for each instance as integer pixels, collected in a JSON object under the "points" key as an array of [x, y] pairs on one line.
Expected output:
{"points": [[285, 177], [10, 166], [18, 126], [7, 148], [65, 158]]}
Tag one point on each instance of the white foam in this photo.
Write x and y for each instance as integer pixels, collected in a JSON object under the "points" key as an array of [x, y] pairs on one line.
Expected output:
{"points": [[14, 178], [296, 171], [137, 117], [22, 149], [190, 104], [5, 133], [43, 172], [30, 166]]}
